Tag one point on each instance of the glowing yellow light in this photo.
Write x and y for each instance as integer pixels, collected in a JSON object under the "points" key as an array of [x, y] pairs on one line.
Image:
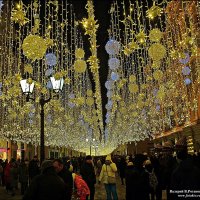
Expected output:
{"points": [[18, 6]]}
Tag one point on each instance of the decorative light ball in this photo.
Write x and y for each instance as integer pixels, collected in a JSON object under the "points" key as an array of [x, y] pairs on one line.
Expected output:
{"points": [[110, 103], [109, 94], [34, 47], [112, 47], [158, 75], [133, 88], [156, 64], [158, 107], [80, 66], [132, 78], [113, 63], [79, 53], [157, 51], [90, 101], [31, 114], [107, 114], [89, 92], [186, 71], [49, 85], [107, 121], [49, 72], [114, 76], [155, 91], [51, 59], [187, 81], [108, 107], [161, 94], [155, 35], [186, 59], [109, 84]]}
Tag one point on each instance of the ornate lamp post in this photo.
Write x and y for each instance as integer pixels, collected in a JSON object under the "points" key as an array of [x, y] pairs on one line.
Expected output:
{"points": [[27, 89]]}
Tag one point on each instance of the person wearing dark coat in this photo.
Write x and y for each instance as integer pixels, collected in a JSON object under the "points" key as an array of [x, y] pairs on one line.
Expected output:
{"points": [[137, 179], [186, 176], [66, 176], [88, 174], [122, 168], [47, 186], [33, 168], [23, 176]]}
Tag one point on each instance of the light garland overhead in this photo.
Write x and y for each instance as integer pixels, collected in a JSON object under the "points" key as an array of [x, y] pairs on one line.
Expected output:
{"points": [[44, 49], [159, 71], [152, 84]]}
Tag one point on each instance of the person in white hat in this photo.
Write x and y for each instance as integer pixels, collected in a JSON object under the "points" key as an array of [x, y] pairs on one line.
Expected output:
{"points": [[108, 177]]}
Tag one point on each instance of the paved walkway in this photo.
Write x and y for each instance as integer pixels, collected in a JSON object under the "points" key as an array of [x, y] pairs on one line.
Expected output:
{"points": [[99, 195]]}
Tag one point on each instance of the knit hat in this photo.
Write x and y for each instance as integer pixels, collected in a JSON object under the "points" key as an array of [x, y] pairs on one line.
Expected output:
{"points": [[108, 157], [46, 164]]}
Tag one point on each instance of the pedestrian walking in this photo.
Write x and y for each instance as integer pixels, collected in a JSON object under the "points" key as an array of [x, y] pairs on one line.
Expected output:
{"points": [[108, 177], [137, 179], [66, 176], [23, 176], [88, 174], [99, 167], [14, 177], [33, 168], [122, 168], [46, 186]]}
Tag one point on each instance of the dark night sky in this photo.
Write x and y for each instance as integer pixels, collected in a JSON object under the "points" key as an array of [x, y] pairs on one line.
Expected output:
{"points": [[101, 13]]}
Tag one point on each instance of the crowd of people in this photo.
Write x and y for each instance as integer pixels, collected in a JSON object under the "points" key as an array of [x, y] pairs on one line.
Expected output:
{"points": [[144, 176]]}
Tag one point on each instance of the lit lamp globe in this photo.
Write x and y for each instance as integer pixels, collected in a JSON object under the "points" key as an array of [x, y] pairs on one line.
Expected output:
{"points": [[57, 84], [27, 88]]}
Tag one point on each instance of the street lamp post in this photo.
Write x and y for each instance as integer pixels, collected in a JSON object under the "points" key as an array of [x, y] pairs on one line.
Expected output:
{"points": [[27, 89], [90, 144]]}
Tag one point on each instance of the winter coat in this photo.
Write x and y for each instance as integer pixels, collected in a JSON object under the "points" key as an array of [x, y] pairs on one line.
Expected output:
{"points": [[81, 187], [107, 170], [88, 174], [23, 173], [14, 176], [33, 168], [47, 186], [66, 176], [122, 168], [7, 173], [137, 183], [185, 177]]}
